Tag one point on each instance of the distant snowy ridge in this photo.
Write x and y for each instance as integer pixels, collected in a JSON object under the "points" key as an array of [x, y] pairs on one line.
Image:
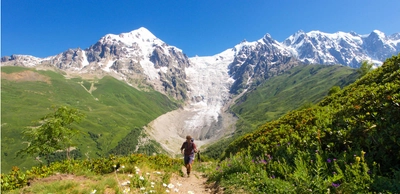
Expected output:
{"points": [[348, 49], [139, 54], [252, 62]]}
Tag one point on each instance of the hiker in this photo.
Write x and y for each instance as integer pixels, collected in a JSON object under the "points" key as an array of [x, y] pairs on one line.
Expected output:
{"points": [[188, 149]]}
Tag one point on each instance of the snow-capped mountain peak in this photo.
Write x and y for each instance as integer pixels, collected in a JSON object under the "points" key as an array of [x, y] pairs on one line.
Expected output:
{"points": [[141, 35], [137, 43], [395, 36], [380, 34]]}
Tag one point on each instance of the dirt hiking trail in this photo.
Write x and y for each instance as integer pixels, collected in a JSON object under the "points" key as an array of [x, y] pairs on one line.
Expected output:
{"points": [[195, 183]]}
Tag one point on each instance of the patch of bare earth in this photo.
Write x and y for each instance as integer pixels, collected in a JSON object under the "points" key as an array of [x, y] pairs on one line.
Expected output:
{"points": [[169, 130], [25, 76], [58, 177]]}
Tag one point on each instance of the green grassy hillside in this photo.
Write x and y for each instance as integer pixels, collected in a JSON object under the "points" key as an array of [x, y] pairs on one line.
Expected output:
{"points": [[300, 86], [347, 143], [112, 108], [296, 87]]}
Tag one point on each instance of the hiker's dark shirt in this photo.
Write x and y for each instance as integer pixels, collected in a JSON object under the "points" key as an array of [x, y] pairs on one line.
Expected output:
{"points": [[189, 148]]}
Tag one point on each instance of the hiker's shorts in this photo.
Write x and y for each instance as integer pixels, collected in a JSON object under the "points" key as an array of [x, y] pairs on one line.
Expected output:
{"points": [[188, 159]]}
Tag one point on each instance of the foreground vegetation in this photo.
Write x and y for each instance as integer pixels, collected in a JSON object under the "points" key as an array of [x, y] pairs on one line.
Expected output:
{"points": [[136, 173]]}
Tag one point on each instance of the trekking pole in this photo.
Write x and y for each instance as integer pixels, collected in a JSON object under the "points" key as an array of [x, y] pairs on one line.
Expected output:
{"points": [[198, 156]]}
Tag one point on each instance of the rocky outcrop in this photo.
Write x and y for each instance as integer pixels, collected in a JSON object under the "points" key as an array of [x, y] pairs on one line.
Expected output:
{"points": [[68, 60], [256, 63]]}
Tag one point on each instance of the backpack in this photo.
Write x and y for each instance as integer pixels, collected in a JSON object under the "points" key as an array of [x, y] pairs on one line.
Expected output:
{"points": [[191, 149]]}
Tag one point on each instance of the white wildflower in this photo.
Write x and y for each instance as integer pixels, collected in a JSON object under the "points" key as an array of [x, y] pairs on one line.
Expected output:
{"points": [[152, 183], [165, 185], [129, 175], [125, 183], [190, 192], [141, 178], [93, 192], [171, 186], [176, 190], [126, 190], [142, 189], [167, 191]]}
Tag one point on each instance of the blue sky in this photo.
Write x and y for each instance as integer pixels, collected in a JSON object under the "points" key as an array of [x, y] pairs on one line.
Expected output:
{"points": [[199, 27]]}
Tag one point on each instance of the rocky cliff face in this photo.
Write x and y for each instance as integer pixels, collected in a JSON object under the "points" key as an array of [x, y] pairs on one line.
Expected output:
{"points": [[258, 61]]}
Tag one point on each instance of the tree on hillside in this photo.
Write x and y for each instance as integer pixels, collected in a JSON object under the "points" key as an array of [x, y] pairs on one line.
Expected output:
{"points": [[364, 68], [54, 133]]}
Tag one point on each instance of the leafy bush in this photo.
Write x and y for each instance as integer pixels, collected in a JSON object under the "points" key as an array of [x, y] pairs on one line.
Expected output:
{"points": [[286, 172], [15, 179]]}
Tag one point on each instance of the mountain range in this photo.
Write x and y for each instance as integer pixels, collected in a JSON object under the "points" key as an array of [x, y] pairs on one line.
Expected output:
{"points": [[208, 84], [141, 55]]}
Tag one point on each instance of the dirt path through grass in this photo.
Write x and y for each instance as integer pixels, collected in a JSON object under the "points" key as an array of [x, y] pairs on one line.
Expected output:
{"points": [[195, 183]]}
